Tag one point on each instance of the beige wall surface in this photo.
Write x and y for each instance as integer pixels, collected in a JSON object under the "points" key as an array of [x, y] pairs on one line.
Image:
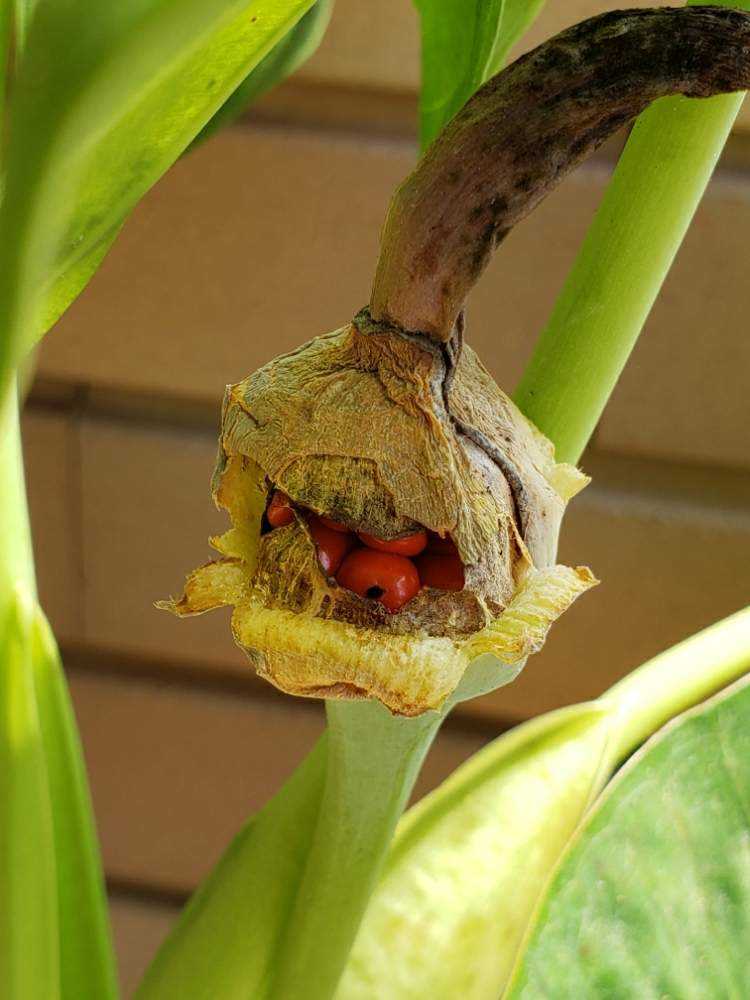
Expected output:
{"points": [[261, 239]]}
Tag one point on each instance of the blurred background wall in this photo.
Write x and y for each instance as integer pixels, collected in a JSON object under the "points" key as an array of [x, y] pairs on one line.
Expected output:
{"points": [[262, 238]]}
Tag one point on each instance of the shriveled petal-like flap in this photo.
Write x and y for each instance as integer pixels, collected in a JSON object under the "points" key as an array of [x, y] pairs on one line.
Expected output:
{"points": [[215, 585], [313, 657], [522, 628], [567, 480]]}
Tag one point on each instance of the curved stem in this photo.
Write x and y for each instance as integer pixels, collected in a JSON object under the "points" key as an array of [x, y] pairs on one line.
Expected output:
{"points": [[523, 131], [373, 761]]}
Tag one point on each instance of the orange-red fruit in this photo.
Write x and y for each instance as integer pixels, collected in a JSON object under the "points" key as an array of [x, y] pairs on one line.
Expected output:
{"points": [[383, 576], [444, 572], [279, 511], [332, 545], [444, 546], [412, 545], [333, 525]]}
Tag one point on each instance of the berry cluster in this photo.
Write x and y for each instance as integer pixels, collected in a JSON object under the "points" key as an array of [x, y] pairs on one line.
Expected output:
{"points": [[390, 572]]}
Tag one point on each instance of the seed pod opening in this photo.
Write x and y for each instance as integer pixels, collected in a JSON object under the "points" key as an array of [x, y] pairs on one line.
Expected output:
{"points": [[392, 429]]}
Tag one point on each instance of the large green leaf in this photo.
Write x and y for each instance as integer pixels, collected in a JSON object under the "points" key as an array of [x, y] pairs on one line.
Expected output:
{"points": [[5, 30], [106, 97], [464, 871], [463, 43], [284, 58], [469, 863], [653, 897], [29, 933], [224, 943], [87, 966]]}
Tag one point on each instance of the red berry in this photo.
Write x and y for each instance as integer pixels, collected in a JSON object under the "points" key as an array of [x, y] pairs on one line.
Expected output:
{"points": [[409, 546], [443, 546], [332, 545], [444, 572], [279, 511], [334, 525], [382, 576]]}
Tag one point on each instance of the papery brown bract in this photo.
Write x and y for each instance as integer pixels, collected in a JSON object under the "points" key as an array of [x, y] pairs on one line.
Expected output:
{"points": [[383, 433]]}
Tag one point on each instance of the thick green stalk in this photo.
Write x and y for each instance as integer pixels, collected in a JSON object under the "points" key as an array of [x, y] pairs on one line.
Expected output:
{"points": [[86, 956], [373, 761], [54, 933], [277, 917], [630, 246], [29, 957], [283, 905], [16, 561]]}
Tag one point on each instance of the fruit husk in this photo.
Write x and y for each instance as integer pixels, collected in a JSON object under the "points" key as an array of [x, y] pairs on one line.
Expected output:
{"points": [[440, 447]]}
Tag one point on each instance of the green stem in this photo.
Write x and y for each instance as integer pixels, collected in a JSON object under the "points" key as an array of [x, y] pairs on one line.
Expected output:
{"points": [[86, 956], [17, 562], [373, 761], [308, 861], [677, 679], [52, 900], [29, 951], [646, 210]]}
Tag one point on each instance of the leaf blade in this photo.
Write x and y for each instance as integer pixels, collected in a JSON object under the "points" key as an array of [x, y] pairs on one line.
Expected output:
{"points": [[28, 887], [465, 852], [653, 895], [285, 58], [107, 96], [427, 847], [87, 965], [458, 41]]}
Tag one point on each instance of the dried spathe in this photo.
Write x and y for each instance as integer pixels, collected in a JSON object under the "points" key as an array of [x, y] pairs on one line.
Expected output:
{"points": [[394, 516], [294, 433]]}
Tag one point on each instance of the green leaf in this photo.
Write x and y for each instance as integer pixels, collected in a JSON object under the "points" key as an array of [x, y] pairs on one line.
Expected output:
{"points": [[458, 43], [106, 98], [517, 18], [29, 935], [653, 897], [464, 42], [464, 871], [6, 13], [224, 942], [74, 279], [285, 58], [87, 966], [470, 862]]}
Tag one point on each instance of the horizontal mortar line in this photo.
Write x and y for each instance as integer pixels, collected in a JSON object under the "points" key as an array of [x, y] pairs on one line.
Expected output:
{"points": [[651, 483], [146, 893], [134, 408], [641, 484], [350, 112], [181, 675], [362, 112]]}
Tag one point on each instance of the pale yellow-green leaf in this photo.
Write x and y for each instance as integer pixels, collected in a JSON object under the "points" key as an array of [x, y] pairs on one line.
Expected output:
{"points": [[466, 866]]}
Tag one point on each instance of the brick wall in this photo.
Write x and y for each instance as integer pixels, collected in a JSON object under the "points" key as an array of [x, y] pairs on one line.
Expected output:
{"points": [[261, 239]]}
